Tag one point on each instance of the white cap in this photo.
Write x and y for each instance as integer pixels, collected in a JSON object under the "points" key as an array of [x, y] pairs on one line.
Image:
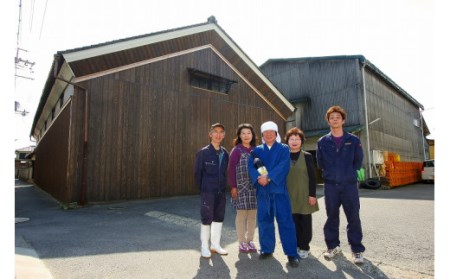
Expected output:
{"points": [[270, 125]]}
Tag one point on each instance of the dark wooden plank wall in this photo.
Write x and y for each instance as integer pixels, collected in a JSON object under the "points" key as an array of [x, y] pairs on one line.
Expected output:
{"points": [[147, 123], [125, 57], [51, 163]]}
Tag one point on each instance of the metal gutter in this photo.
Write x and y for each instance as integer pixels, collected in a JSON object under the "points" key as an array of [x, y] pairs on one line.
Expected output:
{"points": [[369, 155]]}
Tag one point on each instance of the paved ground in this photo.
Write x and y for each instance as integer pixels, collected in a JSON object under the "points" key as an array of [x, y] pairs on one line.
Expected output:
{"points": [[160, 239]]}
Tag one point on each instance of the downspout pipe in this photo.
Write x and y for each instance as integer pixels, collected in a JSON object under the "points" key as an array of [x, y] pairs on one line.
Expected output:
{"points": [[369, 154], [83, 189], [422, 134]]}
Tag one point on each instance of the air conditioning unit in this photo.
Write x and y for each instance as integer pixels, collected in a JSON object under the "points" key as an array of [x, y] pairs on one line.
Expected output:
{"points": [[377, 157]]}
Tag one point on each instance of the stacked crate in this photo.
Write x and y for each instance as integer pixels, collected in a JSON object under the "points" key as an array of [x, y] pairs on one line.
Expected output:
{"points": [[401, 173]]}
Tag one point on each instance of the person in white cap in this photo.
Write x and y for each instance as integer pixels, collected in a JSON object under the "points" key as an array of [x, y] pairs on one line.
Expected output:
{"points": [[272, 194]]}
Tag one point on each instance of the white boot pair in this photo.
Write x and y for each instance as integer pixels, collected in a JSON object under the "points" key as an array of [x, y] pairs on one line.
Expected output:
{"points": [[214, 230]]}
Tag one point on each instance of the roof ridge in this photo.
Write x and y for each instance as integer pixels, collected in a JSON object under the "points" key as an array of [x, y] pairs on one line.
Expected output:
{"points": [[211, 20]]}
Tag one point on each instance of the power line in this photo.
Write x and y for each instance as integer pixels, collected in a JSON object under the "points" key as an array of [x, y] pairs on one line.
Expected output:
{"points": [[31, 15], [43, 19]]}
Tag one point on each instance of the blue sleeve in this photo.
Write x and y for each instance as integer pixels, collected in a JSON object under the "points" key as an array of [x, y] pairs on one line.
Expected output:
{"points": [[198, 171], [319, 156], [280, 171], [359, 155]]}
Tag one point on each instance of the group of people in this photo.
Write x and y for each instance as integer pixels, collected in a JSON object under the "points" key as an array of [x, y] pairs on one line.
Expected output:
{"points": [[275, 180]]}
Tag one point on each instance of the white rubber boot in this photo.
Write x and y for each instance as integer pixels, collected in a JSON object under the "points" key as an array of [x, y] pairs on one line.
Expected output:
{"points": [[205, 233], [216, 231]]}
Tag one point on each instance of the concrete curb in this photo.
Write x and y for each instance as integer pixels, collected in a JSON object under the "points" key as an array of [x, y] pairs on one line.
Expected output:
{"points": [[28, 265]]}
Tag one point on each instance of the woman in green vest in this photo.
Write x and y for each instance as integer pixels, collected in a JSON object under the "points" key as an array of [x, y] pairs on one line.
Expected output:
{"points": [[301, 183]]}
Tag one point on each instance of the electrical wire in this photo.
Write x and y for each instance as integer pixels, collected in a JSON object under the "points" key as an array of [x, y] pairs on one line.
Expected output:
{"points": [[31, 15], [43, 19]]}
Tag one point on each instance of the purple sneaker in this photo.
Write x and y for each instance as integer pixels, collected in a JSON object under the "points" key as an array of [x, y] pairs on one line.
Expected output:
{"points": [[252, 247], [243, 247]]}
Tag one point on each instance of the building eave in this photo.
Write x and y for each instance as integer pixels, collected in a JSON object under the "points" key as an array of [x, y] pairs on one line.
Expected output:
{"points": [[72, 57]]}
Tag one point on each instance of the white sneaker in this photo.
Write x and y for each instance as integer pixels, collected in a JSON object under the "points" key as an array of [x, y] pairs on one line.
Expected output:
{"points": [[358, 258], [331, 253], [303, 253]]}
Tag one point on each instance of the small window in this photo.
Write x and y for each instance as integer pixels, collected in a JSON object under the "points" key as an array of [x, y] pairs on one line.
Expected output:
{"points": [[53, 113], [209, 81]]}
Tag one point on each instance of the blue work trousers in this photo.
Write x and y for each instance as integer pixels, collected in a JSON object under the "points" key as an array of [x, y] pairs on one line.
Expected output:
{"points": [[346, 195], [271, 206], [212, 207]]}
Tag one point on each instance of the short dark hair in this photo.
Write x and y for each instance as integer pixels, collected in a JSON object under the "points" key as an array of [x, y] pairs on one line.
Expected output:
{"points": [[337, 109], [295, 131], [237, 140]]}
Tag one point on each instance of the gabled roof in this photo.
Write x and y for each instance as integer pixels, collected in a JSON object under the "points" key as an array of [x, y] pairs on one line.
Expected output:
{"points": [[84, 63], [26, 149], [362, 60]]}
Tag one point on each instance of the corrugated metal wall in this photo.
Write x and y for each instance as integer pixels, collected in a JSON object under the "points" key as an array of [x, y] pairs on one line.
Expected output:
{"points": [[339, 82], [326, 83], [399, 128]]}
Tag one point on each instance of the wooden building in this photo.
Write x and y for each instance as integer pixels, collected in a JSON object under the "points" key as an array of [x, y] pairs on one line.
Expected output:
{"points": [[380, 112], [123, 119]]}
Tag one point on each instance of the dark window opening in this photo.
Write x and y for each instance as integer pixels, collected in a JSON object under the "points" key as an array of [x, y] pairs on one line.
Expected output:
{"points": [[209, 81]]}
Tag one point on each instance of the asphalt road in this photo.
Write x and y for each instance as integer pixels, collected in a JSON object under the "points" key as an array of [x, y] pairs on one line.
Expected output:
{"points": [[159, 238]]}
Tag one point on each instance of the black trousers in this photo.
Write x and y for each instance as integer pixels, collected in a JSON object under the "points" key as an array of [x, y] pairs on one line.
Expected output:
{"points": [[303, 229]]}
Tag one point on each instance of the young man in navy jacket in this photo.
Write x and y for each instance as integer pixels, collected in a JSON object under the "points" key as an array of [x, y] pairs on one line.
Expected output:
{"points": [[211, 164], [339, 156]]}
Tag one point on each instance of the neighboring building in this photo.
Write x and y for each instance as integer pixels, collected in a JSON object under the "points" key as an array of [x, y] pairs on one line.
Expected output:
{"points": [[23, 164], [22, 153], [370, 97], [124, 119]]}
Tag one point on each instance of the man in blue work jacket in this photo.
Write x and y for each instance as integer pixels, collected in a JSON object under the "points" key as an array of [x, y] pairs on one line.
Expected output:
{"points": [[272, 194], [339, 156], [211, 175]]}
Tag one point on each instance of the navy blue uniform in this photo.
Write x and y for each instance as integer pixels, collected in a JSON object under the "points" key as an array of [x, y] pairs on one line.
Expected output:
{"points": [[211, 176], [339, 165]]}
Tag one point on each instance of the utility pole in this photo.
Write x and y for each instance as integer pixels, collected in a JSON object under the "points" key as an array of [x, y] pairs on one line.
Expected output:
{"points": [[20, 63]]}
